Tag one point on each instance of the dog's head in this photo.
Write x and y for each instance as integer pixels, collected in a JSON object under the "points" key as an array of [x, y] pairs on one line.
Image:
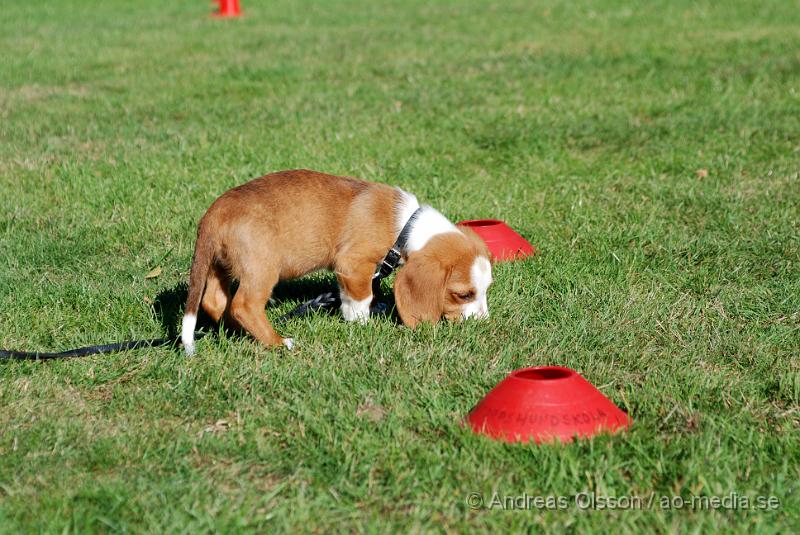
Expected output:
{"points": [[448, 277]]}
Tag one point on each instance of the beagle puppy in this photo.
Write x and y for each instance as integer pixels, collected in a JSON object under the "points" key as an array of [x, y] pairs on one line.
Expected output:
{"points": [[287, 224]]}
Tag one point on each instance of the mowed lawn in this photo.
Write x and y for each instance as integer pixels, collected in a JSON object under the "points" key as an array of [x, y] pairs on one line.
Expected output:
{"points": [[649, 150]]}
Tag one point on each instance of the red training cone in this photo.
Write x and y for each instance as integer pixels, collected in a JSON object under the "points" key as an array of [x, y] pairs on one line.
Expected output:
{"points": [[545, 403], [503, 242], [228, 8]]}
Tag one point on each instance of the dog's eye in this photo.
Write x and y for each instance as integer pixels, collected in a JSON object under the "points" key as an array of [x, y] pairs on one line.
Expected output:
{"points": [[466, 296]]}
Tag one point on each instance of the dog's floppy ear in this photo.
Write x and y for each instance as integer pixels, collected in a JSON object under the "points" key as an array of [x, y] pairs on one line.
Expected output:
{"points": [[419, 289]]}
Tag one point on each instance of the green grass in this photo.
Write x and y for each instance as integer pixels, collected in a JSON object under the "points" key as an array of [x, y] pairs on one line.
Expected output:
{"points": [[582, 123]]}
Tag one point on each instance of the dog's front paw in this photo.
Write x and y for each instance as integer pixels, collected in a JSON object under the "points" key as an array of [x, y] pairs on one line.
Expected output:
{"points": [[289, 343], [353, 310]]}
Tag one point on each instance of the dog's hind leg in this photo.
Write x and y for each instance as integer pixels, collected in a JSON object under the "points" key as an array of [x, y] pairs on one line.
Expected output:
{"points": [[248, 305], [217, 296]]}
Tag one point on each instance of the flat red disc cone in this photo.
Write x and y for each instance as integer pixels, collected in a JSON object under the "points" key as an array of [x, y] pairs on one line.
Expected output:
{"points": [[543, 404], [503, 242], [228, 8]]}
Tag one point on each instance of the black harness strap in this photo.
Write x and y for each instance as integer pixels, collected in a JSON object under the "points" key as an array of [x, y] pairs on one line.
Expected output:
{"points": [[392, 258], [326, 300]]}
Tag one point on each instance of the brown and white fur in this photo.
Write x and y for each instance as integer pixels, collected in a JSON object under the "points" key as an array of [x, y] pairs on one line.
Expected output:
{"points": [[287, 224]]}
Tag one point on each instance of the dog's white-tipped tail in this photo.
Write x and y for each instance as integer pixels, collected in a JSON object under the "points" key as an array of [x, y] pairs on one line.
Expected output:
{"points": [[187, 333], [201, 264]]}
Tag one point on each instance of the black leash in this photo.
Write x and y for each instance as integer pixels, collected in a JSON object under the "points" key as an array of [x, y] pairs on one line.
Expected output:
{"points": [[88, 350], [326, 300], [323, 301]]}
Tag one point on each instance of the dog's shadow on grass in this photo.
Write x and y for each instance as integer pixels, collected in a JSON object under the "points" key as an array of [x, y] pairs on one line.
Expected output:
{"points": [[169, 303]]}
